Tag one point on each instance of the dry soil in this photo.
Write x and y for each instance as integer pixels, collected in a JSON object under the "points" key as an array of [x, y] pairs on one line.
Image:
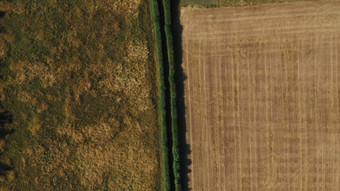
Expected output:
{"points": [[262, 96]]}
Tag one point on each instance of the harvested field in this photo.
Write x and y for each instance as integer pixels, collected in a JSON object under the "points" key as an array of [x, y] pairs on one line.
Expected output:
{"points": [[228, 3], [262, 96]]}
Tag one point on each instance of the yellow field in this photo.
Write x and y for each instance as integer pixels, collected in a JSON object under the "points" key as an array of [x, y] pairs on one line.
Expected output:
{"points": [[263, 96]]}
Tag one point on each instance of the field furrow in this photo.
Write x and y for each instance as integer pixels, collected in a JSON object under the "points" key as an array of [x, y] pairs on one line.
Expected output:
{"points": [[262, 96]]}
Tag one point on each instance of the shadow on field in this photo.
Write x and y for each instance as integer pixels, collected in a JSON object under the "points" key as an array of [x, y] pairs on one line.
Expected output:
{"points": [[4, 168], [185, 148], [5, 118], [2, 14]]}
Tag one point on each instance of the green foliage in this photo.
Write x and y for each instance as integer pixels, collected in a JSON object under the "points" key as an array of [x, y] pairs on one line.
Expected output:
{"points": [[161, 101], [172, 87]]}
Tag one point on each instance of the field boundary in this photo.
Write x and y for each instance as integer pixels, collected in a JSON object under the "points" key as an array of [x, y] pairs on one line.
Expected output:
{"points": [[167, 100], [162, 94], [172, 86]]}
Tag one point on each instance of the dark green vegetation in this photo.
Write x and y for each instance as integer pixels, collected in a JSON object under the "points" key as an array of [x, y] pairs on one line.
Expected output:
{"points": [[79, 79], [164, 40], [162, 98], [227, 3], [172, 86]]}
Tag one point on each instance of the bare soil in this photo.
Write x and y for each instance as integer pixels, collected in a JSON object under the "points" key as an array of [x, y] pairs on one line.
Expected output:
{"points": [[262, 96]]}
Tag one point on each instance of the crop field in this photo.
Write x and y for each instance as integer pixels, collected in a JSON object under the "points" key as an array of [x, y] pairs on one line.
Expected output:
{"points": [[224, 3], [78, 96], [262, 95]]}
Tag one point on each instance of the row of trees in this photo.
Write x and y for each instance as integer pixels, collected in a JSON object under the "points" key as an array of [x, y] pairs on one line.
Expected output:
{"points": [[166, 25], [162, 97], [172, 86]]}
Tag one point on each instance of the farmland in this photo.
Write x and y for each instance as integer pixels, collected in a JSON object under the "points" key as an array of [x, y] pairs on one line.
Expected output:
{"points": [[228, 3], [262, 96], [79, 90]]}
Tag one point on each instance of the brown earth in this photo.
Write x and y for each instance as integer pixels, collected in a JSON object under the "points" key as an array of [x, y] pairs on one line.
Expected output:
{"points": [[263, 96]]}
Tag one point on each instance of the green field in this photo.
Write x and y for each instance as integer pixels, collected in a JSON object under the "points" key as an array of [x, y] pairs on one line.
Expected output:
{"points": [[79, 78], [228, 3]]}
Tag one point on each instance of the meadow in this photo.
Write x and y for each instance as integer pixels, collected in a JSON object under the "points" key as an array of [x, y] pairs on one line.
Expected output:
{"points": [[79, 96]]}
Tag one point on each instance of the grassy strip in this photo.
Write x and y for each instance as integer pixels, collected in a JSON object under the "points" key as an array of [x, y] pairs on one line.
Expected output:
{"points": [[161, 104], [172, 87], [174, 124]]}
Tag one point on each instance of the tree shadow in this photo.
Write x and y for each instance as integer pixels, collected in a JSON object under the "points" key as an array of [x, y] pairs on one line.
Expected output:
{"points": [[5, 132], [2, 14], [4, 169], [185, 148], [167, 96], [5, 118], [2, 29]]}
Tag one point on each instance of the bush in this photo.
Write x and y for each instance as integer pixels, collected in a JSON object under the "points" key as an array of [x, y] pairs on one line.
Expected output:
{"points": [[172, 86], [161, 101]]}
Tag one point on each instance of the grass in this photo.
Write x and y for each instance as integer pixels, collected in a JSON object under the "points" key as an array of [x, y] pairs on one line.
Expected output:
{"points": [[162, 97], [80, 80], [165, 45], [173, 100], [229, 3]]}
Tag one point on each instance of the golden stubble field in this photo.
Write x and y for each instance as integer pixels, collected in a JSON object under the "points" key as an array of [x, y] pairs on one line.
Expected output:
{"points": [[262, 96]]}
